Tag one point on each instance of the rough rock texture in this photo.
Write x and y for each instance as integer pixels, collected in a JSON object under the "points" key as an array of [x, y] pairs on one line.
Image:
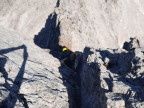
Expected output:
{"points": [[113, 78], [100, 23], [95, 23], [31, 77], [25, 16]]}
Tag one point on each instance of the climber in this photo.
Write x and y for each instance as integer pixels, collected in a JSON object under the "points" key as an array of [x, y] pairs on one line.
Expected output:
{"points": [[68, 57], [65, 53]]}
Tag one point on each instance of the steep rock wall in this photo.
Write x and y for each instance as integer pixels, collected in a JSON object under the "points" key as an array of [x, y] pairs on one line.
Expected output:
{"points": [[96, 23], [100, 23]]}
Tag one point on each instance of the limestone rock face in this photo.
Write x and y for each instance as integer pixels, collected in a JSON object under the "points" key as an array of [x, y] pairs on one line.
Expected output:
{"points": [[100, 23], [31, 77], [95, 23], [117, 83], [25, 16], [32, 33]]}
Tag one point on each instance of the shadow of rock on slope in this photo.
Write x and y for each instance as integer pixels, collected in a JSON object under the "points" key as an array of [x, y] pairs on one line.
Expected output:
{"points": [[72, 81], [58, 3], [115, 64], [112, 78], [128, 66], [3, 61], [48, 38], [122, 74], [11, 99], [92, 94]]}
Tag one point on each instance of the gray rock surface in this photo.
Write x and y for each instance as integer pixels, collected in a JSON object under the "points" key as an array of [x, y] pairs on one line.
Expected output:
{"points": [[100, 23], [117, 83], [95, 23], [31, 37], [25, 16], [31, 77]]}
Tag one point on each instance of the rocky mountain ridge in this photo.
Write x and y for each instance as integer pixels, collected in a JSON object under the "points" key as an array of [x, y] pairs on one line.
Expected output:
{"points": [[107, 76], [113, 77]]}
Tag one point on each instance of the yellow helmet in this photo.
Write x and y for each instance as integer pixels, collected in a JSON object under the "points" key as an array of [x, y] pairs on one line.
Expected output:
{"points": [[64, 49]]}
